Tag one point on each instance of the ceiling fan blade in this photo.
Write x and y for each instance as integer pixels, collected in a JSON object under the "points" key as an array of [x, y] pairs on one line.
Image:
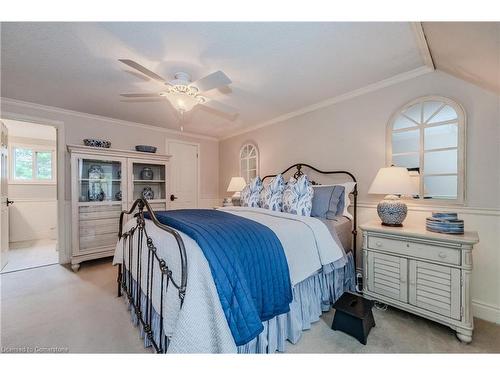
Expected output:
{"points": [[221, 108], [143, 100], [142, 95], [142, 69], [212, 81]]}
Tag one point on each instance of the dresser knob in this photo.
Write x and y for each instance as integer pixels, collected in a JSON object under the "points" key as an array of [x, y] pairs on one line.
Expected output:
{"points": [[379, 244], [442, 255], [407, 245]]}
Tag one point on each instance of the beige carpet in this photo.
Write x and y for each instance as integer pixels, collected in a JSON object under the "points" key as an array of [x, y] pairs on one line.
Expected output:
{"points": [[52, 307], [42, 253]]}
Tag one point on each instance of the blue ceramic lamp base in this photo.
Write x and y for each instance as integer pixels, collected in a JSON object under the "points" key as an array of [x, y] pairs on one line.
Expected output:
{"points": [[392, 211]]}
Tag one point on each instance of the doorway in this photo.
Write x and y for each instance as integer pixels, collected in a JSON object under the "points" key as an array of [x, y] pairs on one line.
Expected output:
{"points": [[184, 174], [29, 189]]}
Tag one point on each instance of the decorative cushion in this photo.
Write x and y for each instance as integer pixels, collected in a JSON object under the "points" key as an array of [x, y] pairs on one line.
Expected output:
{"points": [[251, 193], [271, 196], [326, 201], [297, 196]]}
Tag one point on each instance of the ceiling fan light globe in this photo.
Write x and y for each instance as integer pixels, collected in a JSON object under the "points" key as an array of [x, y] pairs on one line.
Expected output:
{"points": [[182, 102]]}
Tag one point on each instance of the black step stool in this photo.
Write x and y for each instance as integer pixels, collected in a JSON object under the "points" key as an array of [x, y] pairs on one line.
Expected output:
{"points": [[353, 315]]}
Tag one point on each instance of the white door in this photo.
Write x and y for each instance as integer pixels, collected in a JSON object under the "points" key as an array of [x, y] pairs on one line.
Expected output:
{"points": [[183, 174], [4, 205]]}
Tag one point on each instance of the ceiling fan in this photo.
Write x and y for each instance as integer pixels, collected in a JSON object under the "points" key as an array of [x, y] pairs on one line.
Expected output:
{"points": [[182, 93]]}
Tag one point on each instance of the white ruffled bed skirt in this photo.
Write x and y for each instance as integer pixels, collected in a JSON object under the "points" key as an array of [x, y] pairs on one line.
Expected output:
{"points": [[311, 298]]}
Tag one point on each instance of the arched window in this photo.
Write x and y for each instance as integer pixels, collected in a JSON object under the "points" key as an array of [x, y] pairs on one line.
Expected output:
{"points": [[427, 136], [249, 162]]}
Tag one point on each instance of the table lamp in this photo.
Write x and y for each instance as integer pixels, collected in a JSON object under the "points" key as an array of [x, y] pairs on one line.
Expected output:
{"points": [[393, 181], [236, 185]]}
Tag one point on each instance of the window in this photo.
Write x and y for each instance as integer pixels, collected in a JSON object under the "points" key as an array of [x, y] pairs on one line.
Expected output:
{"points": [[427, 136], [249, 162], [32, 164]]}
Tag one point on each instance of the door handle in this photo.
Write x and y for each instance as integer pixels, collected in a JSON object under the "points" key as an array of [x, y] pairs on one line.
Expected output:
{"points": [[9, 202], [173, 197]]}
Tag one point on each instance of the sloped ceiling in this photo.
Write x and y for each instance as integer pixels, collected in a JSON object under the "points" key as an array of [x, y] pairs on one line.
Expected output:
{"points": [[276, 68], [467, 50]]}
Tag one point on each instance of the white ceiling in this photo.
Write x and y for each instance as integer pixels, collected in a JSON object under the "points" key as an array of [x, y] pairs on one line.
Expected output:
{"points": [[276, 68], [467, 50]]}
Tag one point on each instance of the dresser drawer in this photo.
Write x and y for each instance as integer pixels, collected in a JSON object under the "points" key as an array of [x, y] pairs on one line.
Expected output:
{"points": [[415, 249]]}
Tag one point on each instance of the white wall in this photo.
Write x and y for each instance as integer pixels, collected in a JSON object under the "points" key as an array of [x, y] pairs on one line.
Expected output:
{"points": [[350, 135], [123, 135], [33, 216]]}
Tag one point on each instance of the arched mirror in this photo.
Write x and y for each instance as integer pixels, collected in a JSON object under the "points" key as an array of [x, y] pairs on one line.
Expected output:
{"points": [[249, 162], [427, 136]]}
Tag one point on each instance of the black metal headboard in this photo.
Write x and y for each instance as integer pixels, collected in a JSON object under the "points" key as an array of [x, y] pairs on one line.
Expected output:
{"points": [[299, 173]]}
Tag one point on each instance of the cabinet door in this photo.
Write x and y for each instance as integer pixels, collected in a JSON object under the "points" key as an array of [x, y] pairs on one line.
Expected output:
{"points": [[387, 276], [148, 179], [435, 288], [99, 194]]}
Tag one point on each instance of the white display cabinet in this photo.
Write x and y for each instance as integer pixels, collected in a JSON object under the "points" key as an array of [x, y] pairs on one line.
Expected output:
{"points": [[105, 182]]}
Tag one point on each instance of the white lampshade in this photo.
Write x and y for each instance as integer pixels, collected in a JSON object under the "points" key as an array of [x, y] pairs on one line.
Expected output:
{"points": [[236, 184], [393, 180]]}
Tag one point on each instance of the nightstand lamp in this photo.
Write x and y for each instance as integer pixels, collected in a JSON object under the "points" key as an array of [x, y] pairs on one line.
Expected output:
{"points": [[236, 185], [393, 181]]}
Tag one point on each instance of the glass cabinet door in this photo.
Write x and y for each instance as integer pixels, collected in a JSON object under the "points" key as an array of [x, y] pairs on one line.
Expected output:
{"points": [[99, 180], [148, 181], [99, 186]]}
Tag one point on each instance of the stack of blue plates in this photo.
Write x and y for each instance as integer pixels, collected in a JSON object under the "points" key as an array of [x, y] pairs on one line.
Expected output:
{"points": [[445, 222]]}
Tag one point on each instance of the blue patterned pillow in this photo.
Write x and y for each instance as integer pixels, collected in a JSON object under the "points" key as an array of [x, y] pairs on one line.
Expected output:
{"points": [[297, 196], [251, 193], [271, 196]]}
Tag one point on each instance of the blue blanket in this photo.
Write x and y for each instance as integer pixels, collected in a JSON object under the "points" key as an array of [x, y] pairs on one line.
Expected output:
{"points": [[247, 262]]}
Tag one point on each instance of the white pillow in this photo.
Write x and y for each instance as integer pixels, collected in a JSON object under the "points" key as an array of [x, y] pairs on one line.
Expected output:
{"points": [[348, 189]]}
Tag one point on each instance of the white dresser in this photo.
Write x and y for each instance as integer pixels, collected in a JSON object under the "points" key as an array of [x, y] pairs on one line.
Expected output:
{"points": [[422, 272], [103, 183]]}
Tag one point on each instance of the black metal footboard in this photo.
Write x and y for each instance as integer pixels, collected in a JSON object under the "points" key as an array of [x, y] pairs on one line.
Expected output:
{"points": [[148, 266]]}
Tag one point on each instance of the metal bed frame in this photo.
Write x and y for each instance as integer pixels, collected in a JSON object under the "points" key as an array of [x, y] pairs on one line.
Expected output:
{"points": [[299, 173], [138, 234]]}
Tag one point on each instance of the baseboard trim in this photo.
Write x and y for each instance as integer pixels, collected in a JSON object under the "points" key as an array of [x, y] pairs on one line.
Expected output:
{"points": [[486, 311]]}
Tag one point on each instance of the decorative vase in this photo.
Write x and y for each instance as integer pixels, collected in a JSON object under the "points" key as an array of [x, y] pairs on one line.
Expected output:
{"points": [[147, 173], [95, 192], [95, 172], [97, 143], [148, 193], [392, 211]]}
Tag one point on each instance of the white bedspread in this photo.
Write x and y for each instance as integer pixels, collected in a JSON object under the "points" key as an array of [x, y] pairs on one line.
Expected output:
{"points": [[200, 326], [307, 242]]}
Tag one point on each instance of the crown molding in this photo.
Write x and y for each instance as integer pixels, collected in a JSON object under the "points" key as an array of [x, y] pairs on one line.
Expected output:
{"points": [[337, 99], [422, 44], [103, 118]]}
